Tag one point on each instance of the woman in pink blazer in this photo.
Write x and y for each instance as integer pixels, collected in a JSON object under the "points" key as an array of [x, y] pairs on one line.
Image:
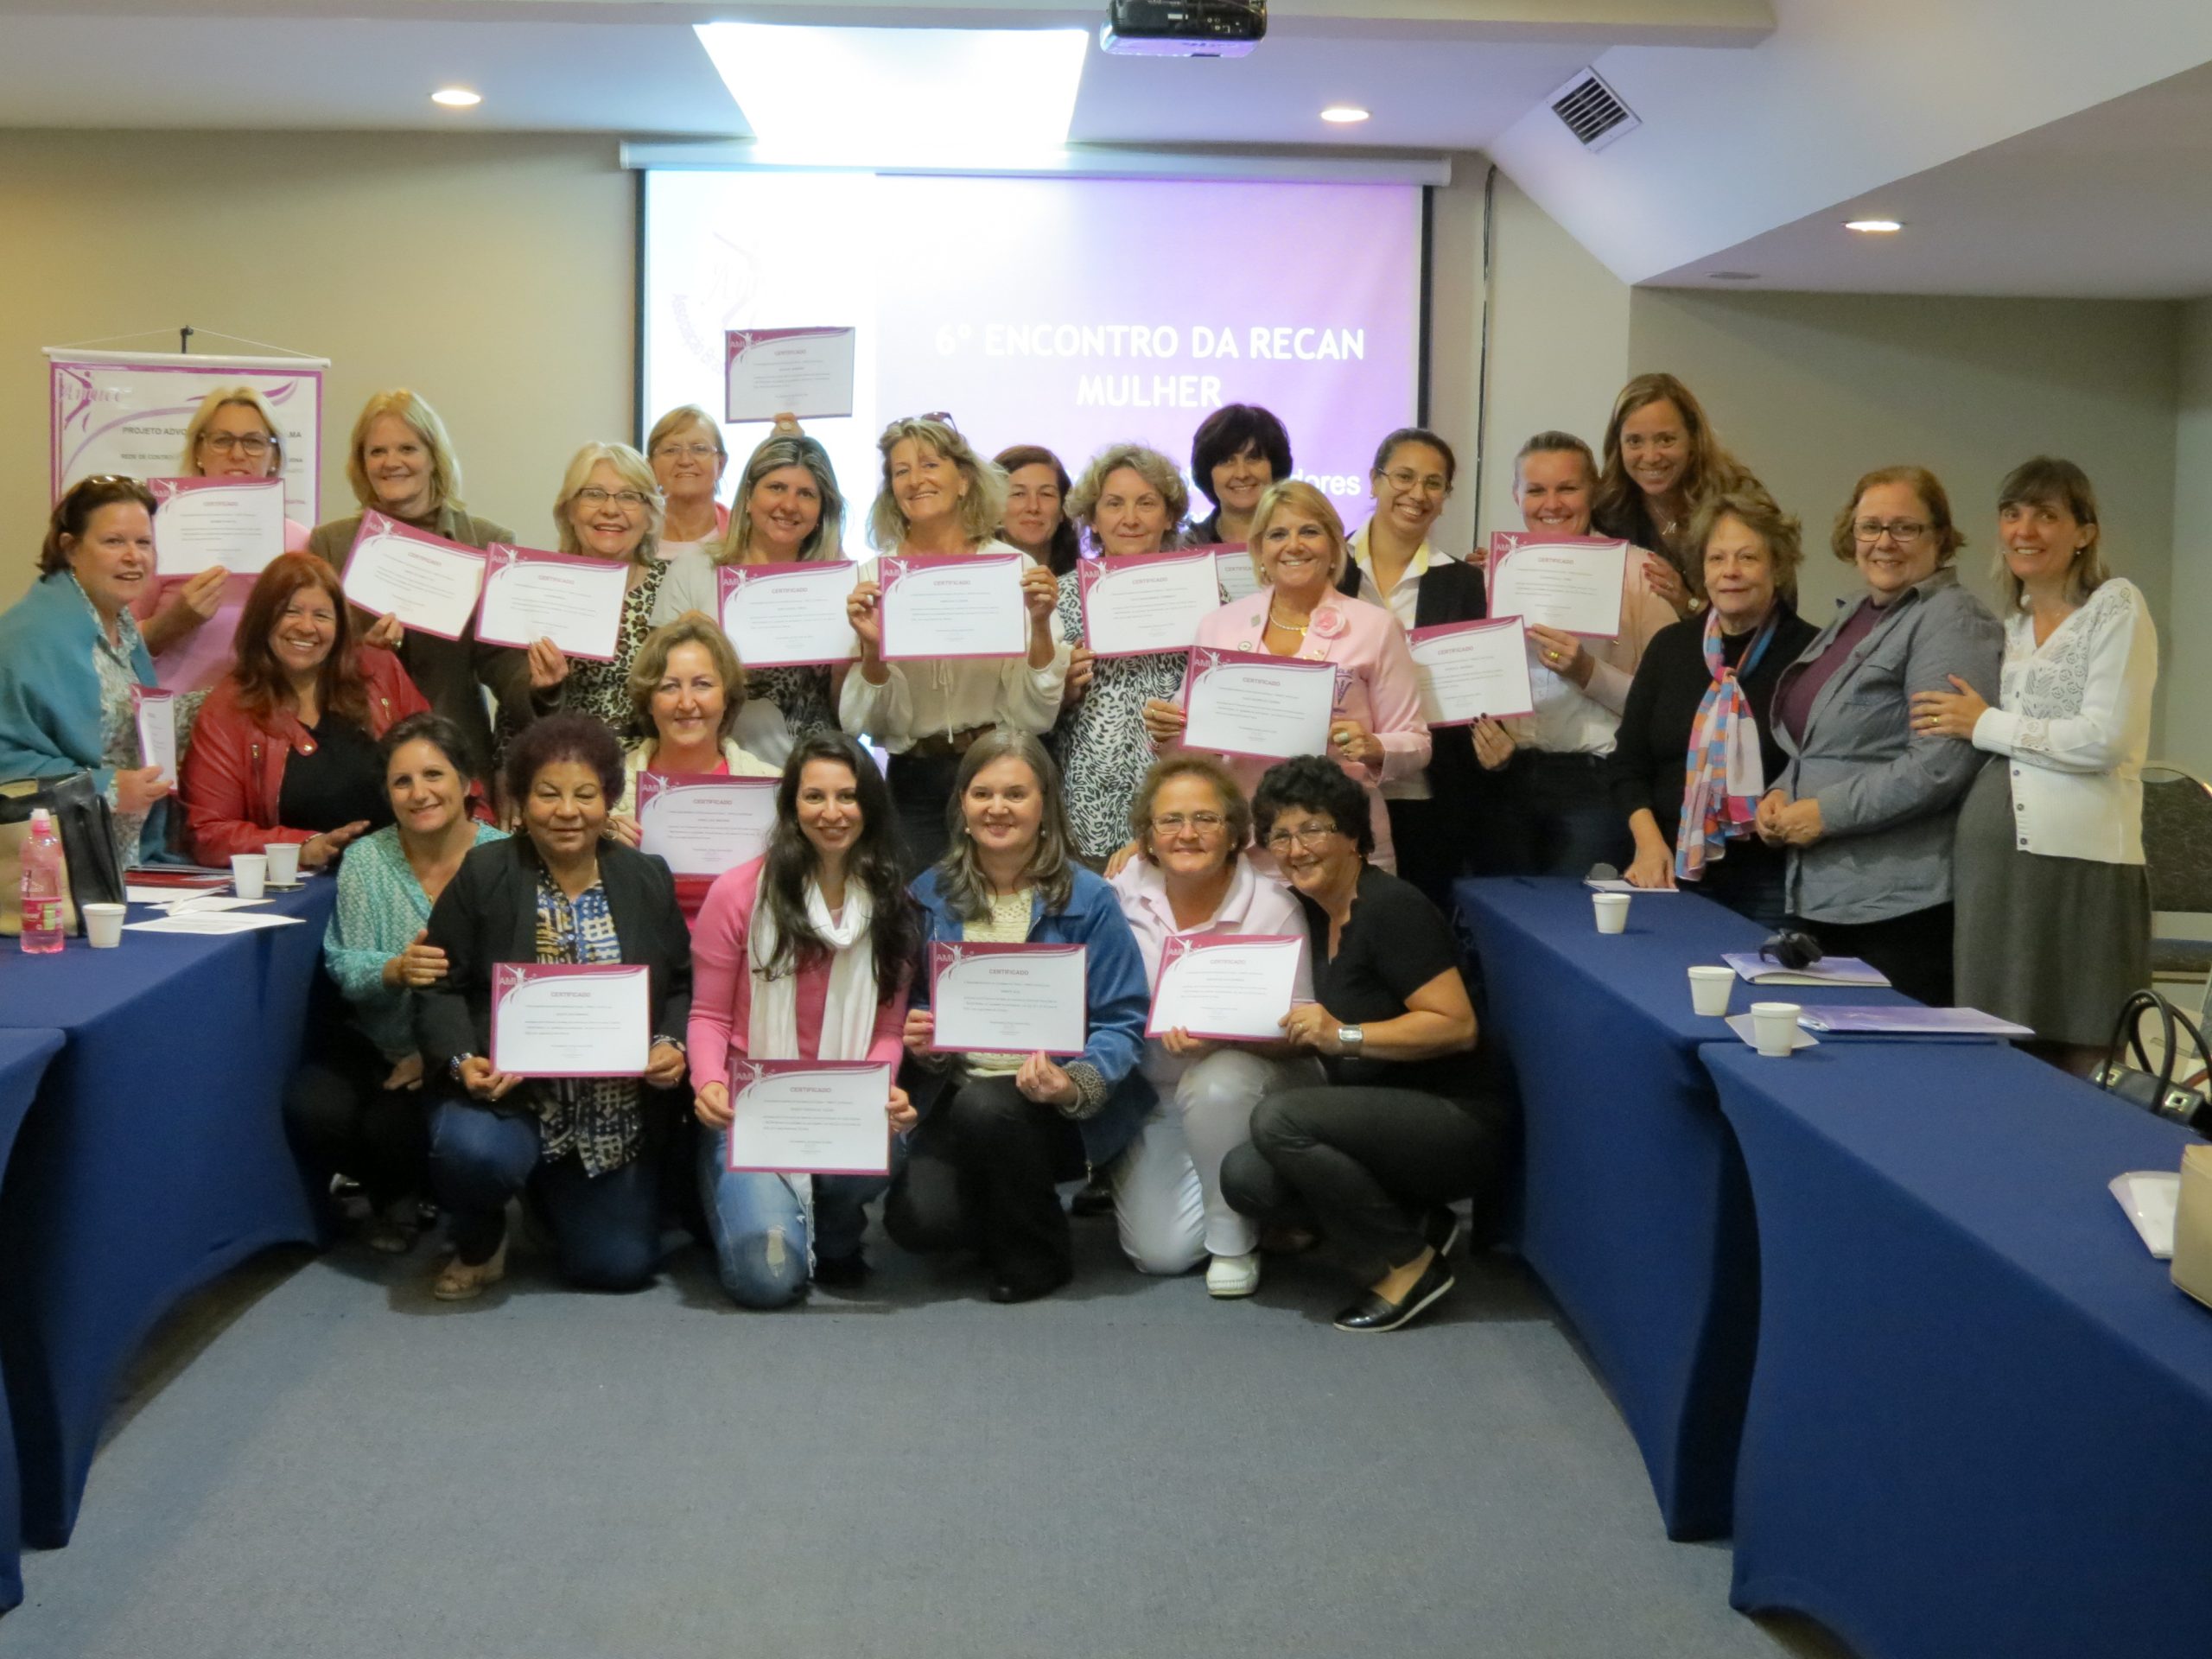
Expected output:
{"points": [[1375, 731]]}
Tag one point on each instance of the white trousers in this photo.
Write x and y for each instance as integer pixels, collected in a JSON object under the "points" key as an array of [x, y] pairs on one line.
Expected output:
{"points": [[1167, 1202]]}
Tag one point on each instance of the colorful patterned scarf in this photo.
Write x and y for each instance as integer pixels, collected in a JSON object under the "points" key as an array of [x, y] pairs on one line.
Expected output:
{"points": [[1723, 777]]}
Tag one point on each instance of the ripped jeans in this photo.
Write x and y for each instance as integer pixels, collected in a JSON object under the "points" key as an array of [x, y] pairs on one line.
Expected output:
{"points": [[764, 1237]]}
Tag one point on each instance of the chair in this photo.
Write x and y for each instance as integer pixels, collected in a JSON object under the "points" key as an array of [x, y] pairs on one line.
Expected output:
{"points": [[2177, 851]]}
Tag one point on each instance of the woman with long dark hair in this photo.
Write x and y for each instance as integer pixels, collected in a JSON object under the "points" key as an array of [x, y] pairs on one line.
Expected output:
{"points": [[804, 953]]}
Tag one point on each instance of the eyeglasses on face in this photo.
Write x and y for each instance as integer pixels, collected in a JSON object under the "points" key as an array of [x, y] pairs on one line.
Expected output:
{"points": [[1173, 824], [1405, 479], [1903, 531], [1307, 834], [250, 444], [686, 452], [629, 500]]}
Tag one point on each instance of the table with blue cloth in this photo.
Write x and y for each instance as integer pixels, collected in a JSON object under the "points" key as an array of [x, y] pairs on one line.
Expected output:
{"points": [[153, 1159], [23, 1055], [1633, 1209], [1981, 1417]]}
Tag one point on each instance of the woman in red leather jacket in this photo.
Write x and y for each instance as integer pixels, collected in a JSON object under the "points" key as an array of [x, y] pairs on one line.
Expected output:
{"points": [[285, 748]]}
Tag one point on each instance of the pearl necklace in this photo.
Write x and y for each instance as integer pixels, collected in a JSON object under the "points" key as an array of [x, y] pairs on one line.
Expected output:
{"points": [[1287, 627]]}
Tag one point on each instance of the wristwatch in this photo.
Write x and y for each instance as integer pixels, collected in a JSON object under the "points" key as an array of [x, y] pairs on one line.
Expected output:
{"points": [[1351, 1038], [454, 1065]]}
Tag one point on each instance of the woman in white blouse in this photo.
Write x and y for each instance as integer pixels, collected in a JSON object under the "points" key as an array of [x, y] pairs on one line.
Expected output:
{"points": [[939, 498], [2054, 906]]}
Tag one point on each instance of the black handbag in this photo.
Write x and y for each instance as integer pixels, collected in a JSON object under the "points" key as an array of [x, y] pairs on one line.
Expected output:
{"points": [[86, 828], [2155, 1090]]}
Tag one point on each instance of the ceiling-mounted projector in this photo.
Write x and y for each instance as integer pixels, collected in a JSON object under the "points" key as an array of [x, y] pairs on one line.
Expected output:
{"points": [[1183, 29]]}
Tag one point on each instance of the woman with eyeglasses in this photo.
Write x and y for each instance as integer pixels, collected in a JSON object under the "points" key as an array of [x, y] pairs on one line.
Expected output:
{"points": [[1190, 877], [685, 447], [1376, 1157], [188, 621], [1869, 800], [1394, 566]]}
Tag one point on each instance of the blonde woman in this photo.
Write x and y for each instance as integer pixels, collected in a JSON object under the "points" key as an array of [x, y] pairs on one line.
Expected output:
{"points": [[401, 464], [685, 447], [1663, 461], [940, 499], [188, 621]]}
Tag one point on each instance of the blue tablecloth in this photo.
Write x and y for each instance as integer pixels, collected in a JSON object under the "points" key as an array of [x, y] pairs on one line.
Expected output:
{"points": [[1981, 1419], [23, 1055], [154, 1159], [1633, 1211]]}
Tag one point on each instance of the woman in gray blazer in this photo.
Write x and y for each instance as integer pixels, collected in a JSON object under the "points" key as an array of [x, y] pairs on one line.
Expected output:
{"points": [[1867, 802]]}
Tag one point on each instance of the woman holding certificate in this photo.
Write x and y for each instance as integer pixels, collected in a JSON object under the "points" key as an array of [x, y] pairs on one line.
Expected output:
{"points": [[583, 1107], [285, 748], [924, 704], [688, 456], [1663, 460], [71, 658], [1129, 501], [402, 465], [802, 954], [1190, 880], [1870, 799], [1375, 1158], [1036, 507], [189, 621], [1700, 713], [1374, 729], [355, 1105], [999, 1128]]}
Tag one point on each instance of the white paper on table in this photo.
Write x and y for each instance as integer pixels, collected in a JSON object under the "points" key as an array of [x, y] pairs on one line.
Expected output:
{"points": [[1755, 969], [236, 522], [1231, 986], [530, 596], [201, 921], [1145, 602], [570, 1020], [1472, 670], [156, 711], [1742, 1025], [1573, 583], [704, 825], [1596, 885], [803, 372], [789, 615], [425, 580], [1006, 998], [1233, 568], [2152, 1199], [809, 1117], [208, 903], [1250, 704], [966, 606]]}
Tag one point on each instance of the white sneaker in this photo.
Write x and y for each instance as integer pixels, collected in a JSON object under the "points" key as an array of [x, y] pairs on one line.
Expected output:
{"points": [[1233, 1276]]}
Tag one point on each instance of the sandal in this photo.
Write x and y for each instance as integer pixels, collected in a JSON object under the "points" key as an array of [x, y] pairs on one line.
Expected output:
{"points": [[461, 1281]]}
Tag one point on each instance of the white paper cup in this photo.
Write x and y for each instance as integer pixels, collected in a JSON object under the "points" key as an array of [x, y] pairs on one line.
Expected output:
{"points": [[1709, 989], [249, 874], [103, 925], [1775, 1026], [1612, 912], [283, 858]]}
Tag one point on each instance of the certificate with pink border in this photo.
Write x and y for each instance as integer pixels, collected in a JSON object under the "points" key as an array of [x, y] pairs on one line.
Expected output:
{"points": [[803, 372], [1472, 670], [1573, 583], [157, 712], [201, 523], [809, 1117], [1009, 999], [1141, 603], [1234, 988], [571, 1021], [425, 580], [1232, 565], [704, 825], [789, 615], [530, 596], [967, 605], [1257, 706]]}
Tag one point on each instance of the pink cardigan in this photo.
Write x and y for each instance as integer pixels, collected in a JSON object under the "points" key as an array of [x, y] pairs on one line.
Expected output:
{"points": [[721, 987], [1383, 695]]}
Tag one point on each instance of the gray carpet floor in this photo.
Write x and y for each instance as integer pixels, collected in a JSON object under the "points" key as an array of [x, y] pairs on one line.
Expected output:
{"points": [[315, 1459]]}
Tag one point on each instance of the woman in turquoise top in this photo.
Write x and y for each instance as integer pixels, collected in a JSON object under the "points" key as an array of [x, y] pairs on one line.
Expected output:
{"points": [[356, 1107]]}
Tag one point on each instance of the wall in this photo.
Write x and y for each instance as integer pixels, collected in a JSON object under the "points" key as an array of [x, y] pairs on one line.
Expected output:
{"points": [[2185, 630], [491, 273]]}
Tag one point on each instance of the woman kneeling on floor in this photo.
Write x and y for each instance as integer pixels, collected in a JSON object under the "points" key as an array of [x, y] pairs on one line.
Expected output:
{"points": [[1374, 1159]]}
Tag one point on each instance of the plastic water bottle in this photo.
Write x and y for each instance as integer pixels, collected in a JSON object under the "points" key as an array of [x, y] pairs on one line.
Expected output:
{"points": [[42, 886]]}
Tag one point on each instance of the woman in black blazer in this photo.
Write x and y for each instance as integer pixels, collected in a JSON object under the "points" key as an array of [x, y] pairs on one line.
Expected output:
{"points": [[556, 893]]}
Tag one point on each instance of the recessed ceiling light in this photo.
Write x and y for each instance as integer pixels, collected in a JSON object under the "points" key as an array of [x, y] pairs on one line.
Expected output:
{"points": [[1343, 114], [456, 98], [1874, 226]]}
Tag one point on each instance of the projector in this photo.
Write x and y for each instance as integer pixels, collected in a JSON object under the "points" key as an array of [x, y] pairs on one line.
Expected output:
{"points": [[1183, 29]]}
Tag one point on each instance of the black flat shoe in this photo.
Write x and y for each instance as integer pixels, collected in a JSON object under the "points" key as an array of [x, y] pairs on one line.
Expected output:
{"points": [[1441, 1230], [840, 1272], [1371, 1312], [1097, 1198], [1008, 1291]]}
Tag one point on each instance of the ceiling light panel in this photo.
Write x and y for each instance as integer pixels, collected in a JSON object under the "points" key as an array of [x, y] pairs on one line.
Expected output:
{"points": [[1874, 226], [903, 97]]}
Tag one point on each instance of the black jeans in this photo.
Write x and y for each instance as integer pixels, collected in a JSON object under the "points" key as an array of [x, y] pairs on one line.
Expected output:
{"points": [[1560, 816], [921, 787], [980, 1174], [1366, 1165], [342, 1120], [1913, 950]]}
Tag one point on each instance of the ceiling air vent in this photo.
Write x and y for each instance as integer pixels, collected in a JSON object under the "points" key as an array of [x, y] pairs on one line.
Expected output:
{"points": [[1592, 110]]}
